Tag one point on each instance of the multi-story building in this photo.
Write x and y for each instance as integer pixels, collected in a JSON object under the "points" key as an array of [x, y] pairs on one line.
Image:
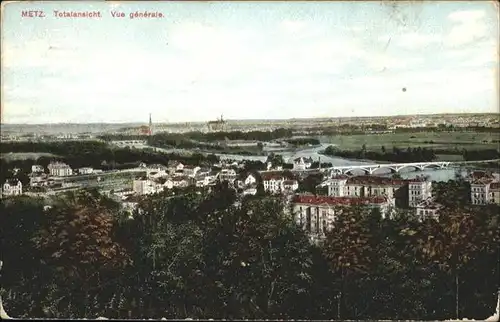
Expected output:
{"points": [[419, 189], [316, 214], [336, 185], [12, 187], [273, 182], [59, 169], [480, 191], [373, 186], [495, 193]]}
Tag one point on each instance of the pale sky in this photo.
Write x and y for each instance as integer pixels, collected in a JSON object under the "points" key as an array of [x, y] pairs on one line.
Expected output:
{"points": [[248, 61]]}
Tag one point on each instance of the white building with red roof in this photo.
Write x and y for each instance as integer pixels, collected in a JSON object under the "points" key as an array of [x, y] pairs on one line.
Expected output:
{"points": [[274, 182]]}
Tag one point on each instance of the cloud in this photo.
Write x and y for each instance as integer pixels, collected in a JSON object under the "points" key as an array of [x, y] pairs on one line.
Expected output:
{"points": [[469, 26]]}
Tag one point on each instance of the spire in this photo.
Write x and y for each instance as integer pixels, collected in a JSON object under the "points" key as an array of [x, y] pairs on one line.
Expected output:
{"points": [[150, 125]]}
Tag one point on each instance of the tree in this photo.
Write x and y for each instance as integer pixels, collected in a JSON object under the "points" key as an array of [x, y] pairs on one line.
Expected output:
{"points": [[347, 248], [454, 241], [75, 240]]}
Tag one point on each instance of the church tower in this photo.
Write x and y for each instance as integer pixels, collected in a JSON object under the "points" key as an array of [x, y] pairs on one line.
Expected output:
{"points": [[150, 125]]}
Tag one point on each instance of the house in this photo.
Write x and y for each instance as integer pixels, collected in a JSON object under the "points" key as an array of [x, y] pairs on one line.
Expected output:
{"points": [[175, 165], [211, 177], [480, 191], [145, 186], [12, 187], [419, 189], [36, 168], [85, 170], [316, 214], [228, 175], [190, 170], [273, 181], [59, 169], [428, 208], [302, 163], [250, 180]]}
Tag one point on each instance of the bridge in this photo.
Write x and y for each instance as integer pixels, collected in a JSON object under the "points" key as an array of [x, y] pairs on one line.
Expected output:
{"points": [[393, 167]]}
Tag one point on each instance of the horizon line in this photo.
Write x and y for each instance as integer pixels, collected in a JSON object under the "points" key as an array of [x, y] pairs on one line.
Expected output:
{"points": [[261, 119]]}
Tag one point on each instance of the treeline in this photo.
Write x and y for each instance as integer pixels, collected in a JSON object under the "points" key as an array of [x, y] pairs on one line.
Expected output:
{"points": [[303, 141], [92, 154], [395, 155], [204, 256], [476, 155]]}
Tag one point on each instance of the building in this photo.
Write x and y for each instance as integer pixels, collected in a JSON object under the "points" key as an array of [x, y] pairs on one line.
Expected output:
{"points": [[495, 193], [12, 187], [480, 191], [373, 186], [175, 166], [190, 170], [301, 163], [419, 189], [250, 180], [36, 168], [85, 170], [38, 179], [59, 169], [146, 187], [228, 175], [428, 208], [336, 186], [273, 182], [217, 125], [316, 214]]}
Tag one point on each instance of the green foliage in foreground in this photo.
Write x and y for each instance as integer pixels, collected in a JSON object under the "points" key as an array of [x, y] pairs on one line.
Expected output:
{"points": [[203, 255]]}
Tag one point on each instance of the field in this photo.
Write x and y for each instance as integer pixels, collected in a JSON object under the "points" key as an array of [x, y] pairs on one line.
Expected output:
{"points": [[25, 155], [434, 140]]}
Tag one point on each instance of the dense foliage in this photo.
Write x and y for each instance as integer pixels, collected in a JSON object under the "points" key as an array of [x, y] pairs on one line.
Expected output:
{"points": [[209, 254], [395, 155]]}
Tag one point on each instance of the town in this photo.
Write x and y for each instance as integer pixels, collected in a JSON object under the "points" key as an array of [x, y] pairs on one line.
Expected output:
{"points": [[225, 160], [313, 211]]}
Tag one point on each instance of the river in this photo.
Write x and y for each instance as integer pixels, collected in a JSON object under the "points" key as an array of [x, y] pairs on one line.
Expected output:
{"points": [[313, 152]]}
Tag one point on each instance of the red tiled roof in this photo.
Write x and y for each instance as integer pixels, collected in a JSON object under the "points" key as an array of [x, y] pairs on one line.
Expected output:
{"points": [[345, 201], [375, 180]]}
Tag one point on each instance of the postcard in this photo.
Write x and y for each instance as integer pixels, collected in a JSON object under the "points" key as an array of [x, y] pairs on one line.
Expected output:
{"points": [[300, 160]]}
